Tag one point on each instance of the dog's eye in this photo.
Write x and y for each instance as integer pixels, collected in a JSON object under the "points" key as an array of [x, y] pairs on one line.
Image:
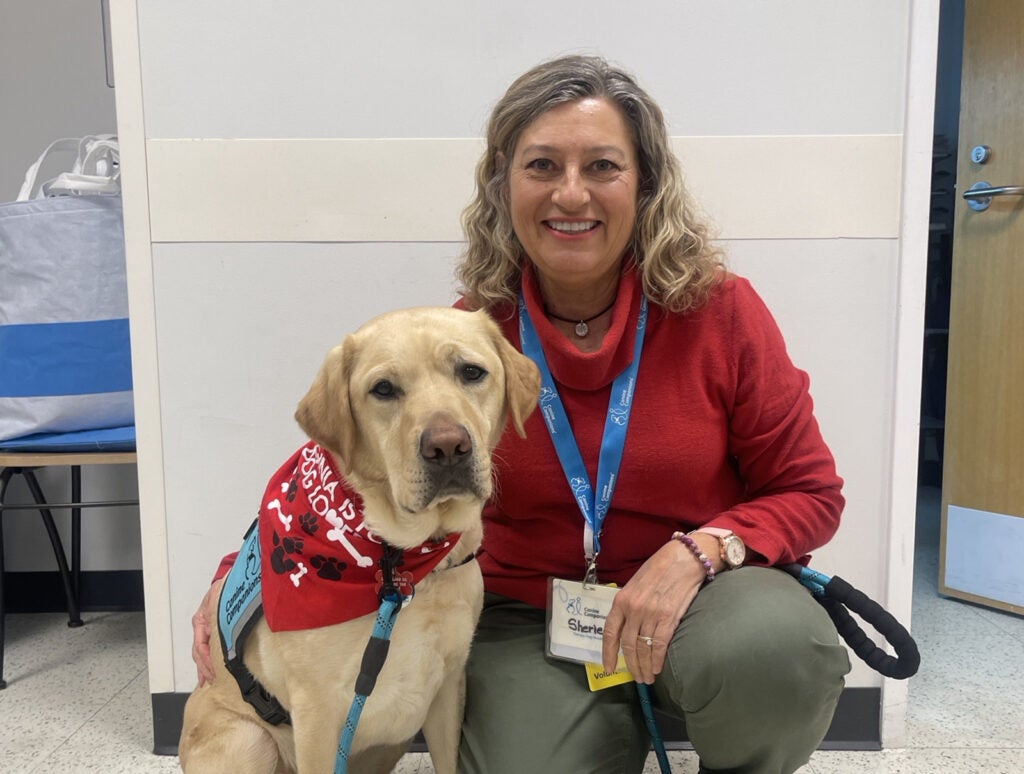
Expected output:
{"points": [[471, 373], [384, 390]]}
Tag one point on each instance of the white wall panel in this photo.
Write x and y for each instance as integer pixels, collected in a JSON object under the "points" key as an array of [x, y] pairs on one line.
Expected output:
{"points": [[309, 190], [263, 68], [415, 189]]}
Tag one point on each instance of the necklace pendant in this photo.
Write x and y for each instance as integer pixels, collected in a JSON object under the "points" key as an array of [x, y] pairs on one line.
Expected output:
{"points": [[582, 329]]}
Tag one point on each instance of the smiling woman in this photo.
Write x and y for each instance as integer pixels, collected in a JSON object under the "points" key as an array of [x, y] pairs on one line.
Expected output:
{"points": [[681, 427]]}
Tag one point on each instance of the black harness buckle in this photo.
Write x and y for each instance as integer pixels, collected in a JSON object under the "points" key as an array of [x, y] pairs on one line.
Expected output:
{"points": [[264, 702]]}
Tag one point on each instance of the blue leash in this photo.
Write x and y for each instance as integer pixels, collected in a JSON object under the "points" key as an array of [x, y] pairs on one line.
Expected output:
{"points": [[652, 727], [814, 581], [839, 599], [376, 652], [835, 595], [373, 661]]}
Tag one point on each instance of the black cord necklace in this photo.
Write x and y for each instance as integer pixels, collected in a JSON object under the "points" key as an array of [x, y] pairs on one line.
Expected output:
{"points": [[582, 329]]}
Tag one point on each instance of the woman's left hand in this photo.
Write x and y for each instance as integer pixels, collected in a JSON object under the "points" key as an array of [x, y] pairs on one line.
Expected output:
{"points": [[648, 609]]}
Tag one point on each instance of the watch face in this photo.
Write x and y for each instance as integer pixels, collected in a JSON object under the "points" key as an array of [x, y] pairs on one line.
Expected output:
{"points": [[735, 551]]}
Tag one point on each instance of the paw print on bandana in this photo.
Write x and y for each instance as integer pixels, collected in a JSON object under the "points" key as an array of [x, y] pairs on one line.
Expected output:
{"points": [[308, 523], [293, 487], [327, 567], [279, 561]]}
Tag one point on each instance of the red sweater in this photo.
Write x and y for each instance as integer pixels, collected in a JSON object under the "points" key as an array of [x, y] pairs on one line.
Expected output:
{"points": [[722, 433]]}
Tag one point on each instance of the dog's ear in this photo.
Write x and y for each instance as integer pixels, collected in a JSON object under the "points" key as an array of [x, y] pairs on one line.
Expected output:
{"points": [[522, 381], [325, 413]]}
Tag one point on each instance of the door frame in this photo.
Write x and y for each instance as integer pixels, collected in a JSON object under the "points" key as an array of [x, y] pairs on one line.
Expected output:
{"points": [[915, 200]]}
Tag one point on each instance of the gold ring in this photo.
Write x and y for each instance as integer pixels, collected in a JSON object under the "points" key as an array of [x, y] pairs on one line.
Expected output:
{"points": [[648, 641]]}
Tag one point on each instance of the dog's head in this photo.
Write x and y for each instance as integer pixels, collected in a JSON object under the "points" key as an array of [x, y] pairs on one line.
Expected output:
{"points": [[412, 405]]}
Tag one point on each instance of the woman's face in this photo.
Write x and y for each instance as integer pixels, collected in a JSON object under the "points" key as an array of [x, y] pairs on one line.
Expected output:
{"points": [[573, 191]]}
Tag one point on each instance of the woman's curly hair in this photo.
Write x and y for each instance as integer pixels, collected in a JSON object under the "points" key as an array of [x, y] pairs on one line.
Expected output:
{"points": [[678, 264]]}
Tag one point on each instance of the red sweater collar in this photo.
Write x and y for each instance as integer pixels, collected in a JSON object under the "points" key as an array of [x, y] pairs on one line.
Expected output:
{"points": [[587, 370]]}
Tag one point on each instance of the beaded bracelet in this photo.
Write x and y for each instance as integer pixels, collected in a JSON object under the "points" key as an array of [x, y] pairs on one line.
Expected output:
{"points": [[690, 543]]}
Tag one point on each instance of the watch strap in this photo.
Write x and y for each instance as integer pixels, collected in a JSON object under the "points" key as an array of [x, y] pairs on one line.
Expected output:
{"points": [[723, 535], [718, 532]]}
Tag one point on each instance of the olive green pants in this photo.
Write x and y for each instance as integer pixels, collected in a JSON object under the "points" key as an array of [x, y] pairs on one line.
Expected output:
{"points": [[755, 669]]}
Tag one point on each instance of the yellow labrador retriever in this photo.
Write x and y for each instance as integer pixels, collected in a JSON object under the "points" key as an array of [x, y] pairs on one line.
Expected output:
{"points": [[402, 418]]}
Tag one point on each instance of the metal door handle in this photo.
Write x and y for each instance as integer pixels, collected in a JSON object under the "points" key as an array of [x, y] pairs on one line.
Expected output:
{"points": [[979, 196]]}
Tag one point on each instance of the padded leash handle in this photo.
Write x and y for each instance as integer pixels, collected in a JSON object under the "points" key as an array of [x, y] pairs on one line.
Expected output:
{"points": [[838, 598]]}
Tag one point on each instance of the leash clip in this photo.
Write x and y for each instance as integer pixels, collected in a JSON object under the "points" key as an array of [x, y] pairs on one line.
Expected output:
{"points": [[390, 582]]}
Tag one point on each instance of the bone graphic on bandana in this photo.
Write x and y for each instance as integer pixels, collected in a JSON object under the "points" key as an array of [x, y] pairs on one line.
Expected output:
{"points": [[339, 535], [283, 517], [297, 575]]}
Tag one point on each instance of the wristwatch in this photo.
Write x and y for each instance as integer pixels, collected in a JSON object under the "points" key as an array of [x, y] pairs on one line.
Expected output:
{"points": [[731, 547]]}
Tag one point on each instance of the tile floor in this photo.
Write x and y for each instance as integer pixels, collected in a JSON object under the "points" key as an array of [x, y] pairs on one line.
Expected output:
{"points": [[78, 699]]}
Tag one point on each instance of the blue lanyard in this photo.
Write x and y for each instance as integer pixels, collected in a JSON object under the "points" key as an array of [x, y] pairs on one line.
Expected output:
{"points": [[593, 505]]}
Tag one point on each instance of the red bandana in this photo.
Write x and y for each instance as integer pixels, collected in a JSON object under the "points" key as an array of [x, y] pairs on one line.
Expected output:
{"points": [[320, 561]]}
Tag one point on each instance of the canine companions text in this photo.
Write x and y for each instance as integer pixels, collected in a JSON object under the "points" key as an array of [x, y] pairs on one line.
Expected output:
{"points": [[402, 419]]}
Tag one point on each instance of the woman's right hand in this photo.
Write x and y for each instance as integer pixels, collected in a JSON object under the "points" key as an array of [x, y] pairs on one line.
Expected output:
{"points": [[202, 630]]}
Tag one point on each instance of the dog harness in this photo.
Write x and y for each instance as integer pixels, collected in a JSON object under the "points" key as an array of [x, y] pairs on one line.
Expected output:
{"points": [[309, 560], [239, 608]]}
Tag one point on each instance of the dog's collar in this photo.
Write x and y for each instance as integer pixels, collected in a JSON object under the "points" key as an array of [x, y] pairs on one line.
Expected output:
{"points": [[452, 565], [391, 562]]}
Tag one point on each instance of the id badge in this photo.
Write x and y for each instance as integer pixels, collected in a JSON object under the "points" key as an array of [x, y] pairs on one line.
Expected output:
{"points": [[576, 616]]}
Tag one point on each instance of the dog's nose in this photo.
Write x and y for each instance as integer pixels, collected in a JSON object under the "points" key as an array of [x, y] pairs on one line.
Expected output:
{"points": [[446, 444]]}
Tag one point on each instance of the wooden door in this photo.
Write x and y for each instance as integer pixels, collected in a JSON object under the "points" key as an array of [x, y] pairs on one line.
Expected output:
{"points": [[982, 544]]}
